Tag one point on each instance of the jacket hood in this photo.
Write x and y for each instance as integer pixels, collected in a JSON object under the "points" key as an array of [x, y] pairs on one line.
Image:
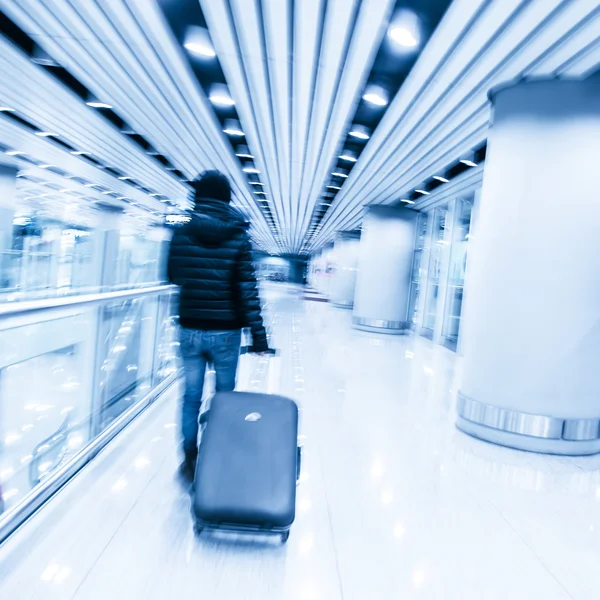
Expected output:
{"points": [[214, 221]]}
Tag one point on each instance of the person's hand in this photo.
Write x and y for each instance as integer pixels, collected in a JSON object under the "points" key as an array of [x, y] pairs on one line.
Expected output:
{"points": [[262, 352]]}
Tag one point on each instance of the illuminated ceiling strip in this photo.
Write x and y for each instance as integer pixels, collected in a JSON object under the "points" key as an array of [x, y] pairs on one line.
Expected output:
{"points": [[355, 61]]}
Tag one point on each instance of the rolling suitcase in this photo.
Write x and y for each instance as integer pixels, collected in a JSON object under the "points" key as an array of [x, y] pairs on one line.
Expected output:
{"points": [[248, 465]]}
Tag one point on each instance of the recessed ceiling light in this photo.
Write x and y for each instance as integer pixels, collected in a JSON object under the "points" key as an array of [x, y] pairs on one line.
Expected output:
{"points": [[14, 152], [376, 95], [98, 104], [233, 128], [197, 41], [360, 132], [403, 37], [219, 95], [340, 174], [251, 169], [125, 178], [6, 109], [347, 156], [407, 201], [243, 152], [334, 187], [261, 193], [256, 183], [200, 50], [46, 134], [424, 192], [468, 162], [80, 153], [440, 178], [89, 185]]}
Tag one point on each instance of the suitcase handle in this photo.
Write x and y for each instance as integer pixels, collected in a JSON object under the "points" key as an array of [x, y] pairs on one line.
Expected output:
{"points": [[270, 351]]}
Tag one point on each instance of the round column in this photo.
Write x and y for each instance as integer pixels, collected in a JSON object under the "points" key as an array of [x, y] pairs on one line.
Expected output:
{"points": [[384, 270], [532, 317], [343, 278]]}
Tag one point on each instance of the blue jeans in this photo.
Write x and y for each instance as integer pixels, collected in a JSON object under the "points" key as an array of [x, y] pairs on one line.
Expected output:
{"points": [[198, 348]]}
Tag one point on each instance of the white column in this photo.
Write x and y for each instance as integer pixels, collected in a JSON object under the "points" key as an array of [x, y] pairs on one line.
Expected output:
{"points": [[343, 278], [384, 270], [532, 322]]}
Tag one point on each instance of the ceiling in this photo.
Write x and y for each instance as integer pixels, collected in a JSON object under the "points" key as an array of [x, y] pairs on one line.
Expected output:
{"points": [[295, 73]]}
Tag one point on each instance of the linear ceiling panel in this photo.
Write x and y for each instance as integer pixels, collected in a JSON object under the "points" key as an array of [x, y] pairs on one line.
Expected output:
{"points": [[296, 71], [124, 52], [504, 42]]}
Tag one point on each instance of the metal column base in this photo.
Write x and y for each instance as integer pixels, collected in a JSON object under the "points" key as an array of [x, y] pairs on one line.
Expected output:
{"points": [[523, 431], [381, 326], [346, 305]]}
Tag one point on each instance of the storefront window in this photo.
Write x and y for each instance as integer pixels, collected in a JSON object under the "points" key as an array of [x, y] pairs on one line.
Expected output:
{"points": [[439, 245], [419, 268], [456, 274]]}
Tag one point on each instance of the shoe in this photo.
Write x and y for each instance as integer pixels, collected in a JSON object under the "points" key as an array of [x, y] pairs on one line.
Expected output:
{"points": [[187, 469]]}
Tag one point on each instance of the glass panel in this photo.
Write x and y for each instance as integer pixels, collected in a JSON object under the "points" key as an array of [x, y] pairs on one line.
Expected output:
{"points": [[166, 361], [456, 275], [418, 268], [45, 401], [127, 345], [65, 379], [438, 247]]}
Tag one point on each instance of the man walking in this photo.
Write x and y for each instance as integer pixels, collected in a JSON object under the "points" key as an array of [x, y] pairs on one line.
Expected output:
{"points": [[211, 260]]}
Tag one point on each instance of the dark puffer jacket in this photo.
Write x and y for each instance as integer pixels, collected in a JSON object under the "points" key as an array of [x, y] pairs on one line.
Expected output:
{"points": [[211, 260]]}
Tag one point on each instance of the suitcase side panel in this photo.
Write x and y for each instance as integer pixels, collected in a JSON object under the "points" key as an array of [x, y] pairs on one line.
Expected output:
{"points": [[246, 470]]}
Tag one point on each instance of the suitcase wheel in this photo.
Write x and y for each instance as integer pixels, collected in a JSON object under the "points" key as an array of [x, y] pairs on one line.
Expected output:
{"points": [[285, 537], [198, 529]]}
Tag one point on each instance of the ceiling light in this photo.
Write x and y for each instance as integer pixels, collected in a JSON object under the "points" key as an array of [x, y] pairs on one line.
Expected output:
{"points": [[468, 162], [250, 168], [98, 104], [403, 36], [219, 95], [80, 153], [155, 195], [233, 128], [6, 109], [261, 193], [125, 178], [407, 201], [424, 192], [197, 41], [440, 178], [360, 132], [46, 166], [340, 173], [405, 29], [89, 185], [46, 134], [334, 187], [375, 95], [14, 152], [243, 152], [42, 58], [348, 156], [256, 183]]}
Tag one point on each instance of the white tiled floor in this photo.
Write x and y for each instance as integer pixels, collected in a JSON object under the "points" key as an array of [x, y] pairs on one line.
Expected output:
{"points": [[394, 502]]}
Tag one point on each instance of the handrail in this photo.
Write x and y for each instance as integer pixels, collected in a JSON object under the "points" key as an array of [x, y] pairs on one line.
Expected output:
{"points": [[28, 307]]}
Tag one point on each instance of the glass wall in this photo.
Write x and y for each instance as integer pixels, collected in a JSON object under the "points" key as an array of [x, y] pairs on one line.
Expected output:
{"points": [[419, 270], [46, 257], [439, 245], [65, 378], [439, 269], [456, 273]]}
